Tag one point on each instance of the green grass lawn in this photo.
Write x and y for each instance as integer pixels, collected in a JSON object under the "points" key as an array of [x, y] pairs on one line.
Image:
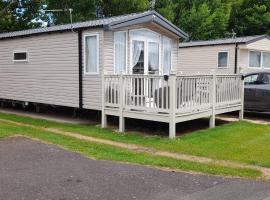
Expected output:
{"points": [[106, 152], [239, 141]]}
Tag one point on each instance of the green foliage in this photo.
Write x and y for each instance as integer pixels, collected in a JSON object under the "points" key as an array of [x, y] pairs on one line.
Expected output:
{"points": [[251, 17], [17, 16], [119, 7], [82, 10]]}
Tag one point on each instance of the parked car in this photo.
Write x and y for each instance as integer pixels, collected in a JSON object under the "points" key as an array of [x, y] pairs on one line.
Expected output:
{"points": [[257, 91]]}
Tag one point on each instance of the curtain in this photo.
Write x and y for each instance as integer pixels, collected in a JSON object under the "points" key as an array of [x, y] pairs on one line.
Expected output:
{"points": [[138, 47], [266, 60], [255, 59], [167, 57], [91, 54], [153, 57], [120, 51]]}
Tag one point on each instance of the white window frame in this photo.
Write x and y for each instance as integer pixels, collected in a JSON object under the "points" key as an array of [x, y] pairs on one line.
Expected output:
{"points": [[228, 59], [126, 67], [84, 46], [262, 52], [261, 64], [20, 51], [250, 67], [146, 41], [163, 53]]}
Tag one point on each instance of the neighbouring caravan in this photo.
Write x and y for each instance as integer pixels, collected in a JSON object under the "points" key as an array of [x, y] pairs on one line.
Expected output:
{"points": [[230, 55], [60, 66]]}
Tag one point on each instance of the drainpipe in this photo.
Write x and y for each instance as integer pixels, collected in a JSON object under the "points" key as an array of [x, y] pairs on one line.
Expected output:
{"points": [[236, 58], [80, 69]]}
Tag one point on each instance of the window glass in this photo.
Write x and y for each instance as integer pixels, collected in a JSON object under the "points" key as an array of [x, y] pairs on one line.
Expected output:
{"points": [[153, 58], [120, 52], [222, 59], [91, 54], [255, 59], [167, 57], [138, 57], [20, 56], [266, 60], [266, 79], [250, 79]]}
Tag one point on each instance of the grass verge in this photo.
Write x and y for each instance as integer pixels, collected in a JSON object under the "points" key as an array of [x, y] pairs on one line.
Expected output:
{"points": [[106, 152], [239, 141]]}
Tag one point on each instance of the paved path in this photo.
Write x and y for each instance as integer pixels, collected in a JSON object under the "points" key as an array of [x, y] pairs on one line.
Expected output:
{"points": [[33, 170]]}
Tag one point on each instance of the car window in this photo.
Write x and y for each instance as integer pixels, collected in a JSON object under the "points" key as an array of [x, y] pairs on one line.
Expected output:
{"points": [[250, 79], [266, 79]]}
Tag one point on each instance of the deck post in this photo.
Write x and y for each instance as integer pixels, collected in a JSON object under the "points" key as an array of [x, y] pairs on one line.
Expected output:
{"points": [[121, 104], [103, 115], [172, 97], [242, 95], [212, 121]]}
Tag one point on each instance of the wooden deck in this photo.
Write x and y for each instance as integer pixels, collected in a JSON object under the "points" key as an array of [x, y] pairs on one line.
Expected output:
{"points": [[171, 99]]}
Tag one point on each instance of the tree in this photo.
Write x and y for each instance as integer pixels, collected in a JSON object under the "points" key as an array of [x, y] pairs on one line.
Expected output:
{"points": [[203, 20], [19, 14], [166, 8], [83, 10], [120, 7], [251, 17]]}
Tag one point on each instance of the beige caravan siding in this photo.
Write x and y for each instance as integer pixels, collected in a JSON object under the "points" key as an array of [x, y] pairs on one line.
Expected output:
{"points": [[92, 82], [204, 59], [243, 61], [263, 45], [50, 76]]}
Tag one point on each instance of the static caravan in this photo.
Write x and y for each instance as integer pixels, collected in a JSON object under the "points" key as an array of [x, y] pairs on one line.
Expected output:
{"points": [[231, 55], [124, 66]]}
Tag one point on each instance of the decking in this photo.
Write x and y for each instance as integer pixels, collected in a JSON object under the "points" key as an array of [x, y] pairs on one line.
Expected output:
{"points": [[171, 99]]}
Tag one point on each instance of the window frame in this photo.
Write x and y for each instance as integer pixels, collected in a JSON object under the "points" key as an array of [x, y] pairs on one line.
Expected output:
{"points": [[84, 49], [250, 67], [20, 61], [261, 63], [114, 52], [262, 52], [146, 40], [228, 60], [163, 53]]}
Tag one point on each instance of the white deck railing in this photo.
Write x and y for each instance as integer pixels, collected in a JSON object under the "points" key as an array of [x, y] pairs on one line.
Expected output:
{"points": [[172, 96]]}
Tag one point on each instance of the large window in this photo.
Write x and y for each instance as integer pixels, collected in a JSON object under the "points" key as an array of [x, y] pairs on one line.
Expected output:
{"points": [[167, 55], [120, 49], [258, 59], [20, 56], [223, 59], [91, 49]]}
